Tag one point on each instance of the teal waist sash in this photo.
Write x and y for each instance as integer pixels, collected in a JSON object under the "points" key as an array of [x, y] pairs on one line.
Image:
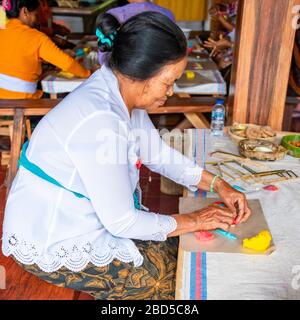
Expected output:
{"points": [[24, 162]]}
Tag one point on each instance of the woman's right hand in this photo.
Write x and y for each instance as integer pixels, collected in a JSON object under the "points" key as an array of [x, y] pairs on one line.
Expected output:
{"points": [[209, 218], [213, 217]]}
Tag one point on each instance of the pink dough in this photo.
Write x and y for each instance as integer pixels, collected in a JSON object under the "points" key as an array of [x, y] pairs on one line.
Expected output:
{"points": [[204, 235]]}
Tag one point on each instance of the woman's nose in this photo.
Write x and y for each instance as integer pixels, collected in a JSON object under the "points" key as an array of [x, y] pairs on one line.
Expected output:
{"points": [[170, 92]]}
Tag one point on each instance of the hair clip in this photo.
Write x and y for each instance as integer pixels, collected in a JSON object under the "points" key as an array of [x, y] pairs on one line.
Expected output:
{"points": [[105, 39]]}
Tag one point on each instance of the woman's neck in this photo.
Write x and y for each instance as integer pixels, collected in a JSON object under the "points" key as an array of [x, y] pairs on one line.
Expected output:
{"points": [[128, 90]]}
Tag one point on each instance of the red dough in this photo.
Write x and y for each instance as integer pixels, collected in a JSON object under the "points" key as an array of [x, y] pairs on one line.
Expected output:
{"points": [[271, 188], [204, 235]]}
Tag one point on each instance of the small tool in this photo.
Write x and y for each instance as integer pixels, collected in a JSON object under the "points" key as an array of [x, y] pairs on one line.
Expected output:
{"points": [[225, 234]]}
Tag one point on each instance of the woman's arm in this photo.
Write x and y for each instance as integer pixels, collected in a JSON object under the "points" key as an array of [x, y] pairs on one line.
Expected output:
{"points": [[161, 158], [49, 52], [99, 150], [214, 216], [235, 201], [209, 218], [226, 24]]}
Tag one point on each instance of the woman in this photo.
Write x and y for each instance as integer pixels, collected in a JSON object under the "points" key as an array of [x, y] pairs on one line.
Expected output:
{"points": [[87, 229], [22, 49], [54, 31], [225, 13]]}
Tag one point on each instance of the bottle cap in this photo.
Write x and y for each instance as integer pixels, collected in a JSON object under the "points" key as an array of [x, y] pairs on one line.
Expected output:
{"points": [[220, 101]]}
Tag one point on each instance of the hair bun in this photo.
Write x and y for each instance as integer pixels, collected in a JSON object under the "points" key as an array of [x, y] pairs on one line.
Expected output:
{"points": [[107, 31]]}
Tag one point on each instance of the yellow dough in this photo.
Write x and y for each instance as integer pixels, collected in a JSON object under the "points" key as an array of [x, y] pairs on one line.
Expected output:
{"points": [[65, 74], [190, 74], [260, 242]]}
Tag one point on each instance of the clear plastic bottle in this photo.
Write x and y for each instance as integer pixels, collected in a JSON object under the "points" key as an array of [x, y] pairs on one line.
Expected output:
{"points": [[218, 118]]}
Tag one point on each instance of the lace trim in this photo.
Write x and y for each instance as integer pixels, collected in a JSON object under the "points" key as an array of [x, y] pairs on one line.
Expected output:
{"points": [[75, 258], [167, 224]]}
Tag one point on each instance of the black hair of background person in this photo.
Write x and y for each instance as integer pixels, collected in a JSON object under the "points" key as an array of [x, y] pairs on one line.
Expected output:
{"points": [[143, 45], [17, 5]]}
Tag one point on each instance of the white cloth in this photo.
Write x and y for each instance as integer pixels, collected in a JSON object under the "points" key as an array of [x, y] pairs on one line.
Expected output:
{"points": [[232, 276], [16, 84], [90, 144]]}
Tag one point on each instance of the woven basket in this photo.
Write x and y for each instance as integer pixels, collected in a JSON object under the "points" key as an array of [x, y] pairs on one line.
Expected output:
{"points": [[68, 3], [247, 149], [236, 139]]}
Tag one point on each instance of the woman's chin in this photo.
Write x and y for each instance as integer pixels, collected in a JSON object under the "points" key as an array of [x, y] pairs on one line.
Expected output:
{"points": [[153, 107]]}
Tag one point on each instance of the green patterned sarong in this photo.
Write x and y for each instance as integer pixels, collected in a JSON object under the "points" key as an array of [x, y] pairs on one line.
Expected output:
{"points": [[154, 280]]}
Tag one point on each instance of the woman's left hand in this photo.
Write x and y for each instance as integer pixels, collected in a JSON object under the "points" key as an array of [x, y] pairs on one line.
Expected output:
{"points": [[234, 200]]}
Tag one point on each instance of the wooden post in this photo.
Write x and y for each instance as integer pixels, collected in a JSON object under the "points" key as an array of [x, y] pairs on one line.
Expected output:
{"points": [[264, 44], [15, 146]]}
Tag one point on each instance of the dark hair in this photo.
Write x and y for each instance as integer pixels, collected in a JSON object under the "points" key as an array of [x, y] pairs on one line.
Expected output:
{"points": [[143, 44], [17, 5]]}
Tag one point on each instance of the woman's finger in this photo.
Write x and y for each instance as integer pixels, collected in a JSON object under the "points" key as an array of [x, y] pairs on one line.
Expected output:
{"points": [[223, 211], [213, 52], [208, 44], [225, 219], [222, 225], [247, 213], [230, 205], [240, 203]]}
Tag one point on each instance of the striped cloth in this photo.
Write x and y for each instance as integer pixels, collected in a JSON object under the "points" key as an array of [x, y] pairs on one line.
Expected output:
{"points": [[194, 282]]}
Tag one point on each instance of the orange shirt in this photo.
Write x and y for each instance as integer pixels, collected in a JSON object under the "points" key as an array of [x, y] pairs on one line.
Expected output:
{"points": [[22, 50]]}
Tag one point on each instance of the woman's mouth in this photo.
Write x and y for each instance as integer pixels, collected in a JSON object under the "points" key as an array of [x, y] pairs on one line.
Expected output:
{"points": [[161, 102]]}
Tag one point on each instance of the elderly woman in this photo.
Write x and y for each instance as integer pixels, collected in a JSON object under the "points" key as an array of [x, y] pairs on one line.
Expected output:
{"points": [[73, 215]]}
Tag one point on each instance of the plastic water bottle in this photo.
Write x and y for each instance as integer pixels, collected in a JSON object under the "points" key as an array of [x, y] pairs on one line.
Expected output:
{"points": [[218, 118]]}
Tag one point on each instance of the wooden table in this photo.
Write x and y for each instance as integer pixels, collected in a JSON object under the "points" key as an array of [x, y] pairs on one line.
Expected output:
{"points": [[87, 14], [213, 276], [19, 109], [54, 85]]}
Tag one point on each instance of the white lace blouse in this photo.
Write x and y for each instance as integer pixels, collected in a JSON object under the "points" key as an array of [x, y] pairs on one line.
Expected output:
{"points": [[90, 144]]}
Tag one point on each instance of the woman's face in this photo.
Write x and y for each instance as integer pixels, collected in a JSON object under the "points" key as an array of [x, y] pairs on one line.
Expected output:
{"points": [[155, 91]]}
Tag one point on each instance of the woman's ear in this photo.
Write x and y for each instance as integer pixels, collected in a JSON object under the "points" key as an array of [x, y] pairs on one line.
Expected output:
{"points": [[23, 13]]}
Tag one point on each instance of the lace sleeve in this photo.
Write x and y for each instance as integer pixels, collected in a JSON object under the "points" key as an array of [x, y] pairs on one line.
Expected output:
{"points": [[167, 224]]}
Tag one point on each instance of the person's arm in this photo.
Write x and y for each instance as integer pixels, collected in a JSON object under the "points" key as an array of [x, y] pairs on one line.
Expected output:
{"points": [[60, 29], [213, 216], [226, 24], [235, 201], [99, 150], [217, 46], [161, 158], [98, 147], [49, 52]]}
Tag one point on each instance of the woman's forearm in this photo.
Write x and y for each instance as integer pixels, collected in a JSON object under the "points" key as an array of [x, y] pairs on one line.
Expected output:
{"points": [[185, 223], [206, 180], [229, 26]]}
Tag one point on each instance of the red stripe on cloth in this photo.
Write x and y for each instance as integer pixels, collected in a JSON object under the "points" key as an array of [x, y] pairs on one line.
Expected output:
{"points": [[198, 295]]}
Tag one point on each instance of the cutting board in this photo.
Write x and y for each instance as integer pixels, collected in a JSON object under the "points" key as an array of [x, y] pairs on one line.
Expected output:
{"points": [[249, 229], [185, 82]]}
